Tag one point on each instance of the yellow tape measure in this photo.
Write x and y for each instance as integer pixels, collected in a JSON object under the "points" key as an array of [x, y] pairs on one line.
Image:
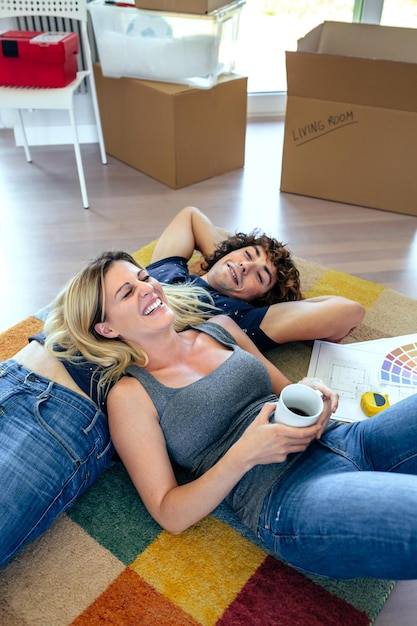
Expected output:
{"points": [[373, 402]]}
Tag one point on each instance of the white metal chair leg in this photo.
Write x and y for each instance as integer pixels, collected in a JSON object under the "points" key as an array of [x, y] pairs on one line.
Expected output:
{"points": [[24, 138], [93, 94], [79, 160]]}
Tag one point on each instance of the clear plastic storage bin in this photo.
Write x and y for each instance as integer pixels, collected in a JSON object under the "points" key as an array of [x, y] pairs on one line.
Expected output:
{"points": [[169, 47]]}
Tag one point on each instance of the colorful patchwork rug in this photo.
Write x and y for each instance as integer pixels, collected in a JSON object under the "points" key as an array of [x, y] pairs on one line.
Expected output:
{"points": [[106, 562]]}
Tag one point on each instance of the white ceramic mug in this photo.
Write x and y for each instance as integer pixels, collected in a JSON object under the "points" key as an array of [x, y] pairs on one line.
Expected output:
{"points": [[298, 405]]}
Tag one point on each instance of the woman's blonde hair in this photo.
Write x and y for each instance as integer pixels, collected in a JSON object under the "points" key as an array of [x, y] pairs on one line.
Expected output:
{"points": [[69, 327]]}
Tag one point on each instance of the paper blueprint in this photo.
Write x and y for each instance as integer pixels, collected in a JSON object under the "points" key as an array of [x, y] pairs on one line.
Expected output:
{"points": [[384, 365]]}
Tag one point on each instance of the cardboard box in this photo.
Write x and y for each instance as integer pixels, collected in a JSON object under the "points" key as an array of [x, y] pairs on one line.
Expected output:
{"points": [[38, 59], [200, 7], [351, 119], [172, 132]]}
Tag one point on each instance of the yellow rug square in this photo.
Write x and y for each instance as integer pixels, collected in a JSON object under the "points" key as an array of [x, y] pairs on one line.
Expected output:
{"points": [[202, 570], [340, 284], [143, 256]]}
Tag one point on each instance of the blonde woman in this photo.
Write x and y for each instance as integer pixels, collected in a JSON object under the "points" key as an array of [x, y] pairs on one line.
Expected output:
{"points": [[54, 436]]}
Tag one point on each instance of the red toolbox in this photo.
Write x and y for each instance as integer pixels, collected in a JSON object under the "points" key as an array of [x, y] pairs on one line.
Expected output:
{"points": [[38, 59]]}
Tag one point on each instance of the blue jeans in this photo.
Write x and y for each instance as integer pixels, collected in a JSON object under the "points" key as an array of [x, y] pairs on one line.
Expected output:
{"points": [[54, 444], [348, 506]]}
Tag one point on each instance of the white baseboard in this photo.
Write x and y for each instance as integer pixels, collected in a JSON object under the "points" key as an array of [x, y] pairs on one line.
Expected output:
{"points": [[55, 135], [53, 127], [266, 105]]}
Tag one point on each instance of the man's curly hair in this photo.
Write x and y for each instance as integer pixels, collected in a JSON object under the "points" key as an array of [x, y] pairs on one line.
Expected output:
{"points": [[287, 285]]}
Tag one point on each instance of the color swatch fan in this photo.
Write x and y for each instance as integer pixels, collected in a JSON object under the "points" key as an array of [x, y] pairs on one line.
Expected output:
{"points": [[400, 366]]}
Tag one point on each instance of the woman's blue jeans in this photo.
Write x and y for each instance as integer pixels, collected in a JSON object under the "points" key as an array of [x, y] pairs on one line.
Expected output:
{"points": [[54, 444], [348, 506]]}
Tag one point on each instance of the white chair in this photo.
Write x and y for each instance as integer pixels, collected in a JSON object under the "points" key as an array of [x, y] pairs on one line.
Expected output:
{"points": [[55, 98]]}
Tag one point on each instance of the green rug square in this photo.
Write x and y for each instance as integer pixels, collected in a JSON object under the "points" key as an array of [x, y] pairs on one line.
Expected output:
{"points": [[113, 514]]}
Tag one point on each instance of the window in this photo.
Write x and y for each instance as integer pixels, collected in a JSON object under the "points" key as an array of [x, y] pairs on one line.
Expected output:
{"points": [[270, 27], [399, 13]]}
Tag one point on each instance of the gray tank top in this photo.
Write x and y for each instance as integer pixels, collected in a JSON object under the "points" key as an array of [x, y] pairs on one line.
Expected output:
{"points": [[201, 421]]}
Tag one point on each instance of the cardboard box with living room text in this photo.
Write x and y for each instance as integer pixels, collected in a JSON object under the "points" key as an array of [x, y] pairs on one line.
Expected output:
{"points": [[351, 119], [171, 132]]}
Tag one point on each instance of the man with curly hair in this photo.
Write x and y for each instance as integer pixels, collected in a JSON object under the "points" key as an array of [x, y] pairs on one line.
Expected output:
{"points": [[253, 279]]}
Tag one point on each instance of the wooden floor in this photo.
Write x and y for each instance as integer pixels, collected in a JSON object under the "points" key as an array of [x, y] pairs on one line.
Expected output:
{"points": [[46, 235]]}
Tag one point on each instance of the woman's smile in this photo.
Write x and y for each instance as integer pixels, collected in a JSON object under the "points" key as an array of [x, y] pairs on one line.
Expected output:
{"points": [[153, 306]]}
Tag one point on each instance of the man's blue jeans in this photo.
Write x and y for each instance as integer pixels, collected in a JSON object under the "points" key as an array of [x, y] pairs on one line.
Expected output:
{"points": [[348, 507], [54, 444]]}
